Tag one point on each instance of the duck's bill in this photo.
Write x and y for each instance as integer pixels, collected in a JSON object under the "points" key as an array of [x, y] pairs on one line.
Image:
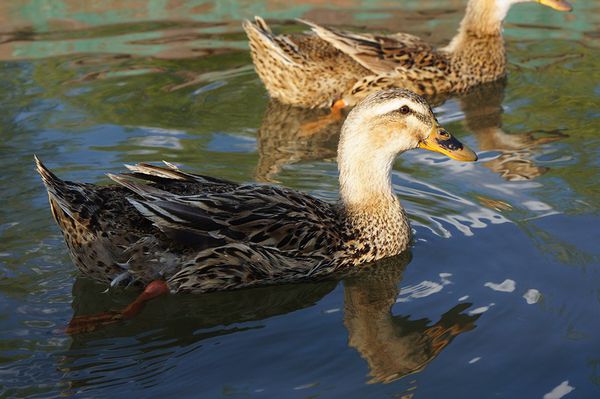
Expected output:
{"points": [[559, 5], [444, 143]]}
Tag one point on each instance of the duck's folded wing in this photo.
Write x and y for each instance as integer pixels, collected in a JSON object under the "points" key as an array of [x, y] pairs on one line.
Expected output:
{"points": [[171, 179], [237, 265], [382, 53], [265, 215]]}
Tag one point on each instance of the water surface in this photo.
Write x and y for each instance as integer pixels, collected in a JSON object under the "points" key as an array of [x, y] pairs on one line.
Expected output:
{"points": [[499, 297]]}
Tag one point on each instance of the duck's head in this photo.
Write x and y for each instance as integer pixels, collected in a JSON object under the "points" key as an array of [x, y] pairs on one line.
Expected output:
{"points": [[503, 6], [559, 5], [392, 121], [485, 18], [484, 12], [380, 127]]}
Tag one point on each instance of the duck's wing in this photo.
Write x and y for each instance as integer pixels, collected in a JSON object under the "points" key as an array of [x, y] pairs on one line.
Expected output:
{"points": [[237, 265], [265, 215], [173, 180], [383, 53]]}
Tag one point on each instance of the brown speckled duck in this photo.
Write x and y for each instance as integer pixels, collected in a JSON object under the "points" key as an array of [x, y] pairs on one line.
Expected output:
{"points": [[337, 68], [178, 232]]}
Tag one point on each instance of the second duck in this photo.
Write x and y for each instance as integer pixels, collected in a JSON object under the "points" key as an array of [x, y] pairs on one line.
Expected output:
{"points": [[337, 68]]}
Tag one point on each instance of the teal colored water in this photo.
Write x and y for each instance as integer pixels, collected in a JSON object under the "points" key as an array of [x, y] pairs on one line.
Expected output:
{"points": [[499, 297]]}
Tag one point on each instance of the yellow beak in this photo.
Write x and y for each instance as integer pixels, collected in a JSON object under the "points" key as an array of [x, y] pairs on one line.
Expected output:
{"points": [[439, 140], [559, 5]]}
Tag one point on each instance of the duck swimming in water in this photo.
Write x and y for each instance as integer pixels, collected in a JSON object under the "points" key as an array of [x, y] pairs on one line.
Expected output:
{"points": [[173, 231], [337, 68]]}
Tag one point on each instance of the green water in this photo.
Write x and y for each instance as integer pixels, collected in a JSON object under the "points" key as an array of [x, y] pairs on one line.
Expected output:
{"points": [[506, 257]]}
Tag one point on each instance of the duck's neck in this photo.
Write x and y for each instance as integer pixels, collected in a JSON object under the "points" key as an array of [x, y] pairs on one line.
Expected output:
{"points": [[478, 47], [365, 175], [483, 19], [373, 214]]}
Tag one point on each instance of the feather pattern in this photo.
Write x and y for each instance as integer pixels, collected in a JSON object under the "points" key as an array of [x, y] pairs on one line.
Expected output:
{"points": [[327, 65], [204, 233], [380, 53]]}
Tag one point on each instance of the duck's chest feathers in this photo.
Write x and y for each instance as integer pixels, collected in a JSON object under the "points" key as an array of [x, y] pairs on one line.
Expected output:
{"points": [[375, 233], [479, 59]]}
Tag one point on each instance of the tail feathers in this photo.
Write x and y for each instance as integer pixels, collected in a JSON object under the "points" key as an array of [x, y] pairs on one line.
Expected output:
{"points": [[71, 198], [262, 41], [51, 181], [262, 25]]}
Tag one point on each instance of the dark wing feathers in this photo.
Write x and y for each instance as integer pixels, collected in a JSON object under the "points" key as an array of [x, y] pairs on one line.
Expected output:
{"points": [[265, 215]]}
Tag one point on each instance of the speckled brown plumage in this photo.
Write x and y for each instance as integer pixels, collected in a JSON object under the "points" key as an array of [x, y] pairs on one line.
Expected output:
{"points": [[317, 69], [202, 234]]}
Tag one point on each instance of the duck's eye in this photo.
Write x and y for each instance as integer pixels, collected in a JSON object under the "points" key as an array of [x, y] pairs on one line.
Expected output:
{"points": [[444, 134], [404, 109]]}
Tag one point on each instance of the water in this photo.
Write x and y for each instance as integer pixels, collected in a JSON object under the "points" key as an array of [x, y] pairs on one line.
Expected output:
{"points": [[500, 296]]}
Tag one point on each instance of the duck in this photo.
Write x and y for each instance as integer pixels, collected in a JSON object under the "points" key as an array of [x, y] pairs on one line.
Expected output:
{"points": [[330, 68], [172, 231]]}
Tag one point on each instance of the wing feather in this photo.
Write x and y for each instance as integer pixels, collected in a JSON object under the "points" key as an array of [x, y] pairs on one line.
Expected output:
{"points": [[265, 215], [382, 53]]}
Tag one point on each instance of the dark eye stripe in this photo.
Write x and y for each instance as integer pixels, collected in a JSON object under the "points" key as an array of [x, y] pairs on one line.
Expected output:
{"points": [[422, 118]]}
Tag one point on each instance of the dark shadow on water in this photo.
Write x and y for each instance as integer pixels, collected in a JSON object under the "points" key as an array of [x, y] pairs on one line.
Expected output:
{"points": [[392, 345], [184, 314]]}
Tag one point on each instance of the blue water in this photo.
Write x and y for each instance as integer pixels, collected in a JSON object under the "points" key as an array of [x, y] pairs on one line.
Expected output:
{"points": [[499, 297]]}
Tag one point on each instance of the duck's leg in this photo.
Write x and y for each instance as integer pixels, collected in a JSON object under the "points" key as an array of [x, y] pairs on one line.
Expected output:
{"points": [[90, 323], [310, 128]]}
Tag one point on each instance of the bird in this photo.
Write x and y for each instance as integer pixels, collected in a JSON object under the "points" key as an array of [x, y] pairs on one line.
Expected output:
{"points": [[332, 68], [172, 231]]}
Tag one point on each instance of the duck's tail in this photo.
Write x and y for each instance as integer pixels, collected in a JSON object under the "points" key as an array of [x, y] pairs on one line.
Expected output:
{"points": [[67, 199], [264, 45]]}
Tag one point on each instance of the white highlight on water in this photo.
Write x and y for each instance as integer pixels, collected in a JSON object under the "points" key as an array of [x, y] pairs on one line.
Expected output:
{"points": [[481, 309], [423, 289], [559, 391], [532, 296], [507, 285]]}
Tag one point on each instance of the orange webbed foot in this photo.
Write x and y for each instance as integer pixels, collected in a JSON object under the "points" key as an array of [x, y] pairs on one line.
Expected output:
{"points": [[82, 324]]}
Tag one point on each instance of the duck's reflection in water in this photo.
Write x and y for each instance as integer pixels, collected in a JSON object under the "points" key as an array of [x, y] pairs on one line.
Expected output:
{"points": [[395, 346], [282, 140], [143, 348], [482, 108]]}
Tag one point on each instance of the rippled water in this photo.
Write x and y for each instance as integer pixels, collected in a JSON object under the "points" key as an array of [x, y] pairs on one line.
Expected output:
{"points": [[500, 296]]}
